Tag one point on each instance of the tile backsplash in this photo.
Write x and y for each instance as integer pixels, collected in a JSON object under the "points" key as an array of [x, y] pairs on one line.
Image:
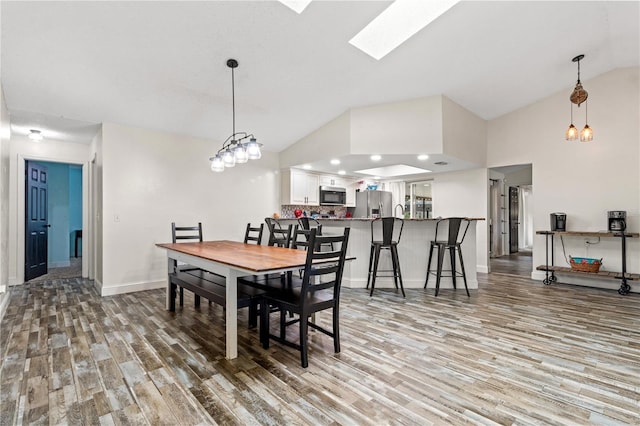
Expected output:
{"points": [[286, 211]]}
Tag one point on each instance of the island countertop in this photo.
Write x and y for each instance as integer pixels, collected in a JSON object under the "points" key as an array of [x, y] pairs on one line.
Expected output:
{"points": [[413, 252]]}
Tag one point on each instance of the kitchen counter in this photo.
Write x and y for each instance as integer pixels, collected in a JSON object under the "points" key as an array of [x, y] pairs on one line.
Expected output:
{"points": [[413, 252]]}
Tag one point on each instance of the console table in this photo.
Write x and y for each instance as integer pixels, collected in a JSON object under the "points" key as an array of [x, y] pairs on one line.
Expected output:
{"points": [[550, 269]]}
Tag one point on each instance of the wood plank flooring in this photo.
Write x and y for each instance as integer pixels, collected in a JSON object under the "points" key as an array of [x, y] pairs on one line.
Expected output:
{"points": [[516, 352]]}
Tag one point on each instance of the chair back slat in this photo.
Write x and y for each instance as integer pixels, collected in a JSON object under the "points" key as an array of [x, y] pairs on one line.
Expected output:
{"points": [[278, 235]]}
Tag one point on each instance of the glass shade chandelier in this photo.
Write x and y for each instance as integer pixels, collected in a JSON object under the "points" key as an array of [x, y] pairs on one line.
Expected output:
{"points": [[579, 96], [236, 149]]}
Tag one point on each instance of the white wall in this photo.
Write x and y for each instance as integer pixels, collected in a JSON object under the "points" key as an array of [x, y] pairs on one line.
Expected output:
{"points": [[21, 149], [464, 194], [93, 220], [585, 180], [464, 134], [150, 179], [331, 139], [5, 138], [409, 127]]}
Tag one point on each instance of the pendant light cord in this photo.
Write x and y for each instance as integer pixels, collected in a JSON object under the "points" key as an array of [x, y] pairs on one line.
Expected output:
{"points": [[233, 101]]}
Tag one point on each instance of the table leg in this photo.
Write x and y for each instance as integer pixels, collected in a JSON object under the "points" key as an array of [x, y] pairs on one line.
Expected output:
{"points": [[232, 314], [169, 270]]}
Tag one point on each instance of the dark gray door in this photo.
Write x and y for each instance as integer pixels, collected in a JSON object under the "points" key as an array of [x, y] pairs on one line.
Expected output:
{"points": [[514, 219], [36, 221]]}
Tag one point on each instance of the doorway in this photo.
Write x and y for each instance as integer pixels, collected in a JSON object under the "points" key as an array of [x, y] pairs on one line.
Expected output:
{"points": [[418, 200], [59, 207], [511, 220]]}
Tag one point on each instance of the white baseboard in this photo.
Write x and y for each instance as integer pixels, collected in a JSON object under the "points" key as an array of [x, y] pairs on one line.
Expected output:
{"points": [[483, 269], [130, 287]]}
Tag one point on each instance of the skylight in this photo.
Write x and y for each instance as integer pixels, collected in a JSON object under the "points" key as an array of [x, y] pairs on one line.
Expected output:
{"points": [[398, 22], [296, 5]]}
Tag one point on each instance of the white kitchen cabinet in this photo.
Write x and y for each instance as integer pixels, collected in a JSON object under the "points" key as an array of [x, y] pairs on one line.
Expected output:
{"points": [[350, 185], [300, 188], [330, 180]]}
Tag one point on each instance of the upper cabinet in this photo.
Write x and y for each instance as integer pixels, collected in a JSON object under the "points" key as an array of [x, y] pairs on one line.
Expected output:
{"points": [[300, 187], [330, 180]]}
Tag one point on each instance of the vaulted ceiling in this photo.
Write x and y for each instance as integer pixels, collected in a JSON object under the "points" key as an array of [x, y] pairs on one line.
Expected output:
{"points": [[67, 66]]}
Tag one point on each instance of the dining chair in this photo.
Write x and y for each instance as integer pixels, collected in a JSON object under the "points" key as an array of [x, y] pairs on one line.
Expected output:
{"points": [[278, 235], [318, 290], [307, 223], [185, 234], [253, 234], [453, 243]]}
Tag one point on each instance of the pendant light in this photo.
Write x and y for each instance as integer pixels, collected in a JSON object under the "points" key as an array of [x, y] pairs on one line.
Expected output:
{"points": [[586, 134], [572, 132], [579, 96], [234, 150]]}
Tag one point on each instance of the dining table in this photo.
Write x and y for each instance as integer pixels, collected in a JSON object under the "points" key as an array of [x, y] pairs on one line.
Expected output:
{"points": [[232, 259]]}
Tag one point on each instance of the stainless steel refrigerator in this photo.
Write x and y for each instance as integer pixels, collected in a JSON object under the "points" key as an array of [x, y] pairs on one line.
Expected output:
{"points": [[373, 204]]}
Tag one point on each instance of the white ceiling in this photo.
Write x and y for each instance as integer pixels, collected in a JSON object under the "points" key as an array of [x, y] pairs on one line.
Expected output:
{"points": [[67, 66]]}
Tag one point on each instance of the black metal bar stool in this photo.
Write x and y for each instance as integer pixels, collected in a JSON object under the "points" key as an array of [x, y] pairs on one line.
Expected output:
{"points": [[452, 243], [388, 225]]}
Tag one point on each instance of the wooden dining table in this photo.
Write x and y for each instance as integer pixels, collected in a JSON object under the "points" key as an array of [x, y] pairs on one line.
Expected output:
{"points": [[233, 259]]}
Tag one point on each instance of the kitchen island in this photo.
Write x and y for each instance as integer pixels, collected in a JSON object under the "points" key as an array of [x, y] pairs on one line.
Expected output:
{"points": [[413, 252]]}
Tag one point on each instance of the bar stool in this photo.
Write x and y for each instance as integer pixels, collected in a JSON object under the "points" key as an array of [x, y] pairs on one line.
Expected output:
{"points": [[388, 224], [451, 243]]}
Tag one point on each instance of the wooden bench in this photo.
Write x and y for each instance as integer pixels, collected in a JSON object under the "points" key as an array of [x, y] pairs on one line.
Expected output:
{"points": [[213, 287]]}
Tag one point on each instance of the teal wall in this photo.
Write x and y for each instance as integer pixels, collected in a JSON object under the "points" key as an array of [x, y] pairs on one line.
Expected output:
{"points": [[64, 209], [58, 211]]}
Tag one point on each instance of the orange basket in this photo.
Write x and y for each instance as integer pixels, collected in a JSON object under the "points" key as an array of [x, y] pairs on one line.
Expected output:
{"points": [[585, 264]]}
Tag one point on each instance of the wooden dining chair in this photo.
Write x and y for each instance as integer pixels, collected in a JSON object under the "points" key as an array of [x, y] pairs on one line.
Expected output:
{"points": [[185, 234], [318, 290], [253, 234], [278, 235]]}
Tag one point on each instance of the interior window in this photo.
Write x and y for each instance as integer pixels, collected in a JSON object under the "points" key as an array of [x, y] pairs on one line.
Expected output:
{"points": [[418, 200]]}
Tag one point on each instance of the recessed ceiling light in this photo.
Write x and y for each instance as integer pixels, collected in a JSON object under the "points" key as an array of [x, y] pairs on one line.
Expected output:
{"points": [[398, 22], [335, 161], [426, 184], [307, 167], [376, 157], [342, 172], [376, 177], [423, 157], [35, 135], [296, 5]]}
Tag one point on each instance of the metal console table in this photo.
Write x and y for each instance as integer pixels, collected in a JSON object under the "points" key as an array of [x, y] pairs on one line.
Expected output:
{"points": [[550, 269]]}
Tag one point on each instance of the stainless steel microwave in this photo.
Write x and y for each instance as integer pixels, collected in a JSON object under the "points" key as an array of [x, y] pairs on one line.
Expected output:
{"points": [[333, 196]]}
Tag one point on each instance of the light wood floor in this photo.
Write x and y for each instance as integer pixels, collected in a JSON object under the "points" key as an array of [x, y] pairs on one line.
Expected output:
{"points": [[519, 264], [516, 352]]}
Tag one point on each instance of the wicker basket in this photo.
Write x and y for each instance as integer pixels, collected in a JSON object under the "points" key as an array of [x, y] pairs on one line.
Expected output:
{"points": [[585, 264]]}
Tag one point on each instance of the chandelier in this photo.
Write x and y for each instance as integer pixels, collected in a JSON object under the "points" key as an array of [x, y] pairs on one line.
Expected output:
{"points": [[578, 96], [236, 149]]}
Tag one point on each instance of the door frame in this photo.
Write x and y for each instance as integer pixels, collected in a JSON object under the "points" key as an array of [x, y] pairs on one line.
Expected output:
{"points": [[87, 249]]}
